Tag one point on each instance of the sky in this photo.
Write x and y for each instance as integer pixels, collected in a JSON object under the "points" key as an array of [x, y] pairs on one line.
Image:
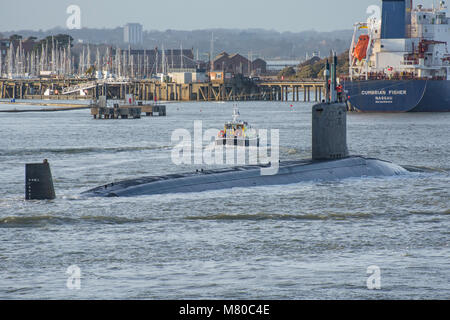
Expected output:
{"points": [[279, 15]]}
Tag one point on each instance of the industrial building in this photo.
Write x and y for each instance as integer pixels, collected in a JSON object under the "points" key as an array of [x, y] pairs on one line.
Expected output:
{"points": [[238, 64]]}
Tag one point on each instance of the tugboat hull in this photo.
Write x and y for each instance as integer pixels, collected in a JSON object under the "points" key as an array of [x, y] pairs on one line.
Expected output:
{"points": [[237, 142]]}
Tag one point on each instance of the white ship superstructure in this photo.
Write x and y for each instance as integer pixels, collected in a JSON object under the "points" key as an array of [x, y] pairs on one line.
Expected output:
{"points": [[402, 45]]}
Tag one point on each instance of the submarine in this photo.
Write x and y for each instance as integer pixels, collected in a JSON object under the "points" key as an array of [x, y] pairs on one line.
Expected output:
{"points": [[330, 161]]}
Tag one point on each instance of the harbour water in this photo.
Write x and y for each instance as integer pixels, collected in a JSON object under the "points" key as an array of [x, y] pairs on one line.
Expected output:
{"points": [[305, 241]]}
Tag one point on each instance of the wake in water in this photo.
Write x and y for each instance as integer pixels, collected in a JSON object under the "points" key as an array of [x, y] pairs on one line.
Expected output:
{"points": [[281, 217], [45, 220], [80, 150]]}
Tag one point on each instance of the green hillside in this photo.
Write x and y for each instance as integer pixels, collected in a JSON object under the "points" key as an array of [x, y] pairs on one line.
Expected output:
{"points": [[314, 67]]}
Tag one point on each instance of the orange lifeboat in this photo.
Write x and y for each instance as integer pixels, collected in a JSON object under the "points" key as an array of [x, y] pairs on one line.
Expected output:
{"points": [[360, 50]]}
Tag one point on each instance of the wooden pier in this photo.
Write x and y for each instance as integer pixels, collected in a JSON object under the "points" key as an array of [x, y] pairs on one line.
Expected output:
{"points": [[281, 90], [149, 90]]}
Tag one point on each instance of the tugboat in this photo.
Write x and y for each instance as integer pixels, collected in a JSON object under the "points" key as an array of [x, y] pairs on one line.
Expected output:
{"points": [[238, 133]]}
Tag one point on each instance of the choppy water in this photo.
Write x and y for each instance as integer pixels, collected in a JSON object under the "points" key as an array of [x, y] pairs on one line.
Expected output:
{"points": [[303, 241]]}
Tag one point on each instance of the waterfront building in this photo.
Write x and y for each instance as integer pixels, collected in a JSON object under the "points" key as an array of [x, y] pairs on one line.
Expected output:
{"points": [[132, 33], [238, 64]]}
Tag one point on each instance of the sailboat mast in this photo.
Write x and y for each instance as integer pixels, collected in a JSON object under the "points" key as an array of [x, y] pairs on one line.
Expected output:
{"points": [[181, 55], [163, 61]]}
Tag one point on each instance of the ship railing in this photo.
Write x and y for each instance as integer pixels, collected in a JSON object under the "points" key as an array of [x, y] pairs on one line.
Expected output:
{"points": [[413, 62], [405, 77]]}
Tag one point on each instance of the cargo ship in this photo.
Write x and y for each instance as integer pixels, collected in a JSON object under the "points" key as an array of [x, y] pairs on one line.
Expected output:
{"points": [[400, 61]]}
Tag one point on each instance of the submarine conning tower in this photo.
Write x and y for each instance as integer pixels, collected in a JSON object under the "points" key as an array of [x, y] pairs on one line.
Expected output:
{"points": [[329, 131], [329, 121]]}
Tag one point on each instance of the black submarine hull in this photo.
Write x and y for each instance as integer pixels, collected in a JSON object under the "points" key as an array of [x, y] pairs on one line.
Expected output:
{"points": [[250, 176]]}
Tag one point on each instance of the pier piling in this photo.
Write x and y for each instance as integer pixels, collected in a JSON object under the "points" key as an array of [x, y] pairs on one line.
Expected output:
{"points": [[146, 90]]}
